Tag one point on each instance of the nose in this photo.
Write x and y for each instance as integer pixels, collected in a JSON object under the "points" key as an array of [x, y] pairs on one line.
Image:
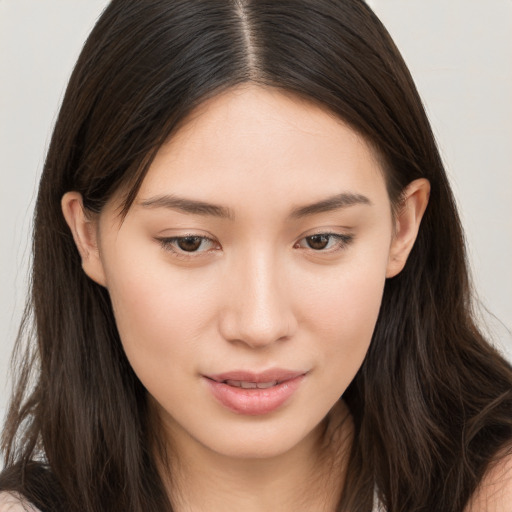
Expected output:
{"points": [[258, 308]]}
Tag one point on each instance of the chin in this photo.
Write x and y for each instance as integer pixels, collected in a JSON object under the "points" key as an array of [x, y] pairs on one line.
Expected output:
{"points": [[261, 441]]}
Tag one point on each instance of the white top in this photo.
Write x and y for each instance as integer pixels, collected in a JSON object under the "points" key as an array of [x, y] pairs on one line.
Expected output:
{"points": [[12, 502]]}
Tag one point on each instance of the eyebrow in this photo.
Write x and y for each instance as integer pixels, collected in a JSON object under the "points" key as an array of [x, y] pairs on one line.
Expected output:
{"points": [[336, 202], [192, 206]]}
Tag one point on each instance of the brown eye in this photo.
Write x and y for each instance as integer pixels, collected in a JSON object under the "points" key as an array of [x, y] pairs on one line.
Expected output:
{"points": [[325, 242], [189, 243], [318, 242]]}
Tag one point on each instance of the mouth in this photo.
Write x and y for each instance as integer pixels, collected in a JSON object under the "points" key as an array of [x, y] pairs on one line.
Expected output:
{"points": [[251, 385], [251, 393], [248, 380]]}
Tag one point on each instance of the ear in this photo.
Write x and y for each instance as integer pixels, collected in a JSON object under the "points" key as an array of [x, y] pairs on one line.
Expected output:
{"points": [[84, 229], [407, 223]]}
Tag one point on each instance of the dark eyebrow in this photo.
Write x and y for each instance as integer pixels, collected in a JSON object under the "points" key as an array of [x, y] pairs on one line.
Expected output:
{"points": [[187, 206], [335, 202], [195, 207]]}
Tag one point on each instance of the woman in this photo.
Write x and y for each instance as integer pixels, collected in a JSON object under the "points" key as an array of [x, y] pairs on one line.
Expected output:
{"points": [[249, 282]]}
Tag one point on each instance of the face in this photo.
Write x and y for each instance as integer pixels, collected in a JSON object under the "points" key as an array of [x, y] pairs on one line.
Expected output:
{"points": [[246, 279]]}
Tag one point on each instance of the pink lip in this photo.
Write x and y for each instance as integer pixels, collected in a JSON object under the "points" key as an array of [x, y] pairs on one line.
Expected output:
{"points": [[254, 401]]}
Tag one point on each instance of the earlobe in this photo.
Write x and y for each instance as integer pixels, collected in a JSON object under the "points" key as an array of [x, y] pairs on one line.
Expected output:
{"points": [[84, 231], [407, 224]]}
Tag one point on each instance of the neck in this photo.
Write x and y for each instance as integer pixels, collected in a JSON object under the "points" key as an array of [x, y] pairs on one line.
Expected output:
{"points": [[308, 477]]}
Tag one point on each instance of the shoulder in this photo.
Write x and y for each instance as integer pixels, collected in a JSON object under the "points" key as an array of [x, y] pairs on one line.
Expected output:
{"points": [[494, 494], [12, 502]]}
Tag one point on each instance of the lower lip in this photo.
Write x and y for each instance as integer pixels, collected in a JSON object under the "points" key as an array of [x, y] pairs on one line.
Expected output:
{"points": [[253, 402]]}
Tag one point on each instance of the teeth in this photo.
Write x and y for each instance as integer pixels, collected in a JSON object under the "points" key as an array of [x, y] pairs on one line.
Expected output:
{"points": [[251, 385], [265, 385], [235, 383]]}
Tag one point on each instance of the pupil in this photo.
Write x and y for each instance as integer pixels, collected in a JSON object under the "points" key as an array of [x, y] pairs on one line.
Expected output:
{"points": [[318, 241], [189, 243]]}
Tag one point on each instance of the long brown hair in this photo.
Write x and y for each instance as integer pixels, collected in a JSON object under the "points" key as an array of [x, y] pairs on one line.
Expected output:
{"points": [[432, 402]]}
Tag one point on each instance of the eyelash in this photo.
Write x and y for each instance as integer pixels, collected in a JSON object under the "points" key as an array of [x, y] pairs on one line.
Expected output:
{"points": [[341, 241], [171, 244]]}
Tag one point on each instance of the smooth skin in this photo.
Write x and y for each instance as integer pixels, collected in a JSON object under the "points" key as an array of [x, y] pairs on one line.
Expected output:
{"points": [[260, 238]]}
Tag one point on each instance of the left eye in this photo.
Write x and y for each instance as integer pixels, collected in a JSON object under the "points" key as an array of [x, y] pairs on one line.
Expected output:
{"points": [[187, 244], [325, 241]]}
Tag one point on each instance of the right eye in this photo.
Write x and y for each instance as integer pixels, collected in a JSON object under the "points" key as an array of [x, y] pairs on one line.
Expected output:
{"points": [[188, 245]]}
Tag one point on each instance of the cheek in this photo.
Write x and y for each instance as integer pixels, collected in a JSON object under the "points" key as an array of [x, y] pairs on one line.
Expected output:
{"points": [[340, 312], [160, 312], [347, 303]]}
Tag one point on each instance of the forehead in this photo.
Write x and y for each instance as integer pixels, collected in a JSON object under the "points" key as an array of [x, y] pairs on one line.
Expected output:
{"points": [[261, 144]]}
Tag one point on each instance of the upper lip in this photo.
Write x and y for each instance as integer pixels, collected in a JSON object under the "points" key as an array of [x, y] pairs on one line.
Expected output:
{"points": [[273, 374]]}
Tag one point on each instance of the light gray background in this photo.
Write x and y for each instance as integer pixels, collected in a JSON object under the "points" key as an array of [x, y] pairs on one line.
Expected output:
{"points": [[459, 52]]}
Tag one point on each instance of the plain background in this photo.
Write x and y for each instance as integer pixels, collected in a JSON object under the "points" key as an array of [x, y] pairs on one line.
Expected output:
{"points": [[459, 52]]}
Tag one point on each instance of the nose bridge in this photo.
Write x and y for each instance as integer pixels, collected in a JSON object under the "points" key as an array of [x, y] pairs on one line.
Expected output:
{"points": [[259, 311]]}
